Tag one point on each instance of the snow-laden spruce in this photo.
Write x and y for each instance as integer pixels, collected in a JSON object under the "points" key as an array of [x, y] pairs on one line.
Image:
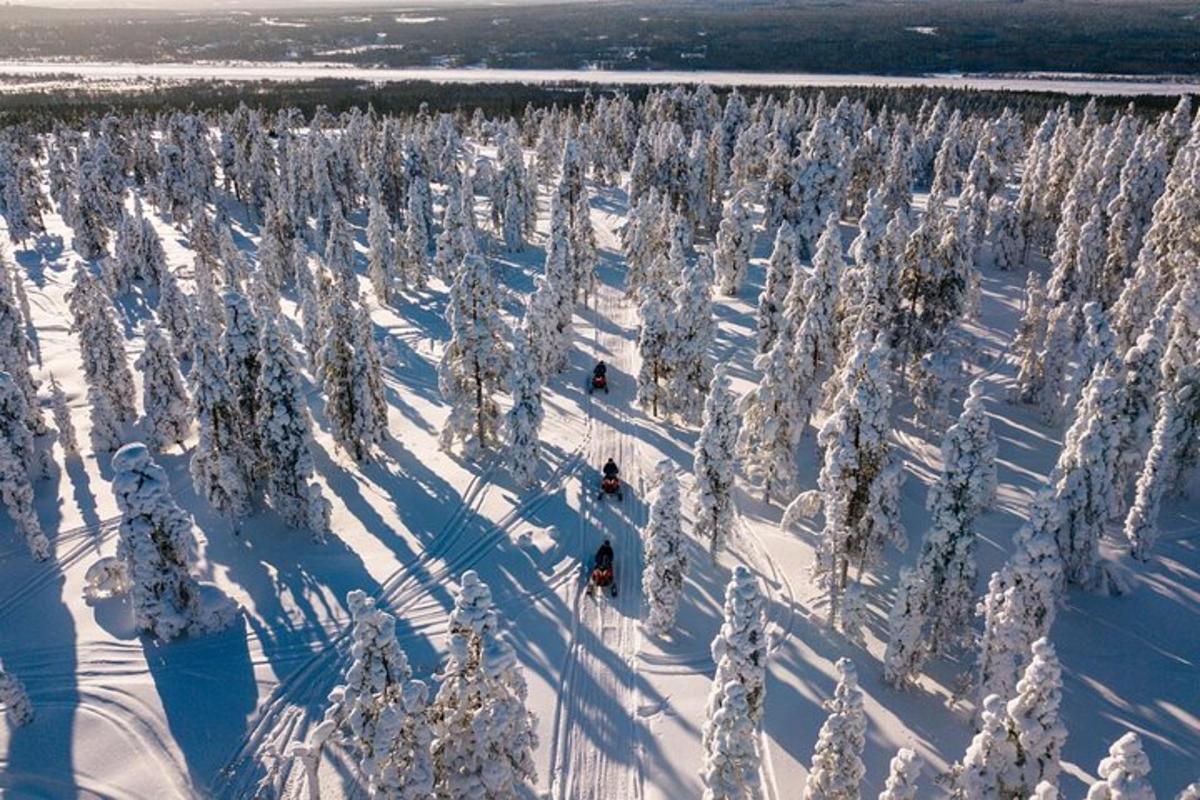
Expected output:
{"points": [[165, 400], [484, 736], [21, 463], [1033, 720], [1124, 772], [62, 420], [14, 699], [731, 755], [715, 464], [732, 760], [218, 462], [381, 254], [475, 359], [523, 421], [935, 602], [836, 771], [285, 432], [988, 770], [783, 264], [859, 482], [691, 332], [816, 342], [903, 772], [15, 343], [351, 375], [654, 339], [101, 344], [666, 560], [379, 712], [1020, 604], [158, 550], [735, 242]]}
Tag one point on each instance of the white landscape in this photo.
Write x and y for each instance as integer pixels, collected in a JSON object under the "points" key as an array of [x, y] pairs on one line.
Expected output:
{"points": [[906, 410]]}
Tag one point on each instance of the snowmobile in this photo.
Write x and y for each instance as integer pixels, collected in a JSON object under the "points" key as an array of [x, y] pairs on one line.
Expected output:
{"points": [[599, 383], [611, 484], [602, 574]]}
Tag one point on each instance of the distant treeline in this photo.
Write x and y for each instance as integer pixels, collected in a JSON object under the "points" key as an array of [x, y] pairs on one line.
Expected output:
{"points": [[40, 109]]}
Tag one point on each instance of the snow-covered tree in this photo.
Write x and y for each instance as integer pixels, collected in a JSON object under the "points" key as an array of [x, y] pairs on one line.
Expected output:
{"points": [[475, 358], [164, 397], [21, 463], [1124, 772], [903, 772], [102, 345], [14, 699], [815, 352], [732, 760], [735, 242], [159, 552], [285, 433], [933, 609], [175, 310], [523, 421], [1033, 720], [665, 553], [484, 736], [379, 711], [218, 461], [715, 462], [381, 253], [1020, 604], [988, 770], [62, 420], [782, 266], [859, 482], [836, 771], [771, 416], [414, 254], [1082, 481], [1027, 344], [740, 647], [690, 336], [654, 338]]}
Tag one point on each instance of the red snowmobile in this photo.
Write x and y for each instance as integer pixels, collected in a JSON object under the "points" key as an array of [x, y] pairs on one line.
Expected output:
{"points": [[602, 571], [599, 379]]}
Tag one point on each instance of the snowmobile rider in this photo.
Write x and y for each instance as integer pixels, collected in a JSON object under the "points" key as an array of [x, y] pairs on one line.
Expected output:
{"points": [[610, 469], [600, 371], [604, 556]]}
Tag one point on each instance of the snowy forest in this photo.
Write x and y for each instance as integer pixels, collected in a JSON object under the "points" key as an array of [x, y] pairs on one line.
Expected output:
{"points": [[300, 451]]}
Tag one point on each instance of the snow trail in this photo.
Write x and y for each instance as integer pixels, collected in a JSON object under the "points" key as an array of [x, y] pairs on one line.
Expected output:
{"points": [[595, 749]]}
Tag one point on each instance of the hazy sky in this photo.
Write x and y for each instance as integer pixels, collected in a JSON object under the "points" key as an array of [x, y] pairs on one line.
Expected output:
{"points": [[272, 4]]}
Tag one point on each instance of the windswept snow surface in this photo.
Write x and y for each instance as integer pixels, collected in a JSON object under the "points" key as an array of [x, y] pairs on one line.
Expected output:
{"points": [[308, 71], [619, 711]]}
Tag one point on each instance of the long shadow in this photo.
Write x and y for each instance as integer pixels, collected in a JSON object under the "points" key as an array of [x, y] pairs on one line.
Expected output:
{"points": [[187, 676]]}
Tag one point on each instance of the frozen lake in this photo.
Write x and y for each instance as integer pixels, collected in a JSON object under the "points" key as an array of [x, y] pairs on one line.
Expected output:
{"points": [[1067, 84]]}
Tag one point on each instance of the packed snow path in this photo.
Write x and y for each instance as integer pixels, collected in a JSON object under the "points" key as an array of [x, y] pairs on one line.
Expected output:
{"points": [[595, 749]]}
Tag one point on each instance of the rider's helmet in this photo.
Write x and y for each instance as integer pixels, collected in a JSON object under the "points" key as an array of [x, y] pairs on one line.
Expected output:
{"points": [[606, 542]]}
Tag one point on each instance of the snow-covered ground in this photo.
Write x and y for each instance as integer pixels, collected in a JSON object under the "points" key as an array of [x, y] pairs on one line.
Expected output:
{"points": [[305, 71], [619, 710]]}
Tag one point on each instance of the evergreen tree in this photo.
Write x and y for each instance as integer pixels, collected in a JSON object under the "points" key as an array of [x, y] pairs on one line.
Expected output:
{"points": [[714, 464], [1027, 343], [1033, 720], [740, 647], [164, 398], [690, 336], [107, 433], [475, 358], [524, 419], [102, 345], [175, 310], [859, 482], [815, 352], [415, 250], [159, 552], [735, 242], [782, 266], [837, 768], [903, 772], [484, 736], [770, 418], [933, 607], [380, 711], [18, 461], [1124, 772], [15, 699], [732, 759], [654, 339], [285, 432], [381, 255], [218, 465], [62, 420], [988, 769], [666, 555]]}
